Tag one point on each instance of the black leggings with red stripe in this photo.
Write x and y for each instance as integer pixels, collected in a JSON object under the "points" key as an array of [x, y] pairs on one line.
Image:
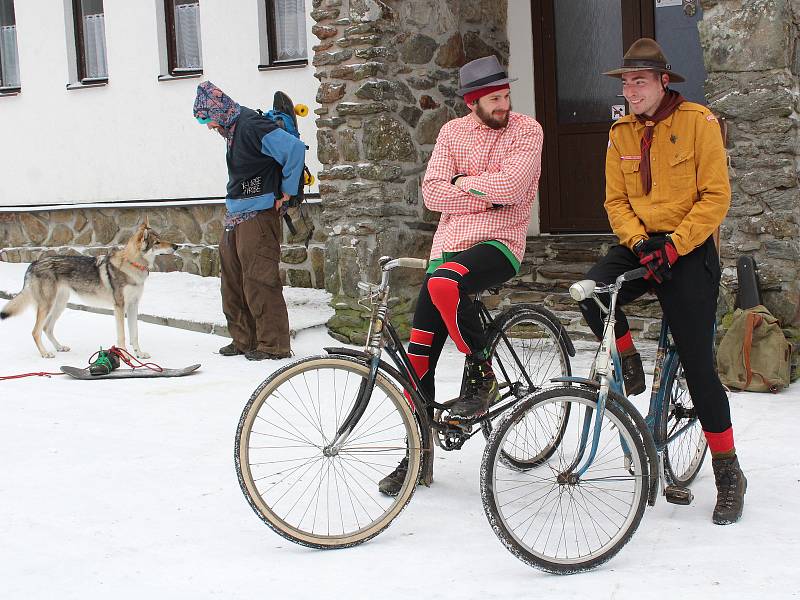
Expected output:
{"points": [[444, 307]]}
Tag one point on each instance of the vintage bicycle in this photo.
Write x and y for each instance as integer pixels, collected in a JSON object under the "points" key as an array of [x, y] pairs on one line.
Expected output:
{"points": [[575, 508], [316, 436]]}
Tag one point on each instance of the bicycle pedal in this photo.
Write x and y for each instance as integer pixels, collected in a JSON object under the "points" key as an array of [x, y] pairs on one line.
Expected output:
{"points": [[678, 495], [464, 425]]}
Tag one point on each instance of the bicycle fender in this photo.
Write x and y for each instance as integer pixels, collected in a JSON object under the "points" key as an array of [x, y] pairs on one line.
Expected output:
{"points": [[579, 380], [423, 420]]}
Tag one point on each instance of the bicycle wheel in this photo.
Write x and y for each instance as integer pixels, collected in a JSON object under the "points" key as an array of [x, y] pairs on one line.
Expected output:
{"points": [[302, 488], [683, 455], [527, 352], [547, 516]]}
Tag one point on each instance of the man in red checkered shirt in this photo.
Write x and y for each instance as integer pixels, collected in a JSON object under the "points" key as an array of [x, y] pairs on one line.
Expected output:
{"points": [[482, 177]]}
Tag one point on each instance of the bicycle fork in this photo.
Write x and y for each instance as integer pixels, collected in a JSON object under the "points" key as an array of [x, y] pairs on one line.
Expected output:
{"points": [[365, 390]]}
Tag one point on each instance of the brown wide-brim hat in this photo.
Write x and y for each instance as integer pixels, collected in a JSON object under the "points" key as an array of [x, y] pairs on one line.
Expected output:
{"points": [[482, 73], [645, 53]]}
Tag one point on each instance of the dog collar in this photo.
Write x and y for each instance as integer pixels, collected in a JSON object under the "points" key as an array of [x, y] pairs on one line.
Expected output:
{"points": [[139, 266]]}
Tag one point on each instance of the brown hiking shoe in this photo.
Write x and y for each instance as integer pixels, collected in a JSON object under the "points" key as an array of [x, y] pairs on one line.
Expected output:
{"points": [[731, 486], [261, 355], [393, 482], [230, 350], [480, 391], [633, 373]]}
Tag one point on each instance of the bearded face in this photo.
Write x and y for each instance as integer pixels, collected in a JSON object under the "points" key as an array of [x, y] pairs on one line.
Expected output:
{"points": [[493, 109]]}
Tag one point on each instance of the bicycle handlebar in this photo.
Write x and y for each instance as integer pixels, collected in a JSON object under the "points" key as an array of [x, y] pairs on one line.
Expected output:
{"points": [[634, 274], [411, 263], [581, 290]]}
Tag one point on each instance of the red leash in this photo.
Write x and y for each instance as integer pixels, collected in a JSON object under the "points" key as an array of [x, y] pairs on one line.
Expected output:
{"points": [[132, 361], [3, 378], [122, 354]]}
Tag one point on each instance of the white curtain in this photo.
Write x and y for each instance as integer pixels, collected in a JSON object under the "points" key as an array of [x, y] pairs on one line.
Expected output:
{"points": [[187, 36], [9, 61], [94, 45], [290, 23]]}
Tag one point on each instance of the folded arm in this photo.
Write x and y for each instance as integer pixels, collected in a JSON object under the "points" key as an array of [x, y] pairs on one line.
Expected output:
{"points": [[518, 168], [438, 193]]}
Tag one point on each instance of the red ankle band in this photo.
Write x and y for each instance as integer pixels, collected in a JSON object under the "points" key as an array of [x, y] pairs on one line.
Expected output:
{"points": [[720, 442], [625, 342]]}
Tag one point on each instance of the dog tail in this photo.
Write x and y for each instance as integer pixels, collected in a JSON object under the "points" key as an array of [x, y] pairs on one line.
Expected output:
{"points": [[18, 303]]}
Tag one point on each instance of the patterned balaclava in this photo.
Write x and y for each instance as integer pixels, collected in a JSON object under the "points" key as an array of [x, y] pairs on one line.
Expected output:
{"points": [[212, 103]]}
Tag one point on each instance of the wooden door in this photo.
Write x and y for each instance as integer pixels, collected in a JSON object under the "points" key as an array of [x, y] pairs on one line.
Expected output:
{"points": [[574, 42]]}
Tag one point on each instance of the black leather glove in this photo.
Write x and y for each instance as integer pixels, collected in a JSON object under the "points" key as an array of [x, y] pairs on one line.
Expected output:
{"points": [[657, 254]]}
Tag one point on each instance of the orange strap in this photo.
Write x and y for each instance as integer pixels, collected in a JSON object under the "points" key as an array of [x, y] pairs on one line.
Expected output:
{"points": [[753, 321]]}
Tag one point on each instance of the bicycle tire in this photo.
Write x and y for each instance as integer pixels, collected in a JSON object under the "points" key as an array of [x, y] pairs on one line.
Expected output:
{"points": [[279, 430], [683, 456], [549, 355], [616, 480]]}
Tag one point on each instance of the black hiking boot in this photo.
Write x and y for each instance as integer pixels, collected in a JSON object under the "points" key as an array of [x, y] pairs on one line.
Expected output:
{"points": [[633, 373], [391, 484], [106, 362], [480, 390], [731, 486], [261, 355], [230, 350]]}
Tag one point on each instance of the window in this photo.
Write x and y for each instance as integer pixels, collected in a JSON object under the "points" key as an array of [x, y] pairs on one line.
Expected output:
{"points": [[184, 51], [285, 33], [90, 40], [9, 59]]}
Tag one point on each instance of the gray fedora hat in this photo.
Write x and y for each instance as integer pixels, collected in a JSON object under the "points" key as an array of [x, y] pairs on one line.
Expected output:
{"points": [[481, 73]]}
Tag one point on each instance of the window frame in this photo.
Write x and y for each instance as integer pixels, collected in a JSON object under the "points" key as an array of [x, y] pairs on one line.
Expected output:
{"points": [[80, 49], [11, 90], [172, 44], [272, 45]]}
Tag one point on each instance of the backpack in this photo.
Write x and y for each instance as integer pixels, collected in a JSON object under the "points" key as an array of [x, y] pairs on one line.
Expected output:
{"points": [[280, 115], [754, 355]]}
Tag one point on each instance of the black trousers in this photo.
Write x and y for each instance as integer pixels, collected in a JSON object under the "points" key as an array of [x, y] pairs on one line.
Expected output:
{"points": [[689, 303], [444, 307]]}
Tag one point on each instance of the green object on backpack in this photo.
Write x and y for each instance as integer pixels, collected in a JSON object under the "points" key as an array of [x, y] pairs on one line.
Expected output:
{"points": [[754, 355]]}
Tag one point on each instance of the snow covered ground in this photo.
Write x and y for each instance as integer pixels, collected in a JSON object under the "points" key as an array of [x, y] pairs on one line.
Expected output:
{"points": [[127, 489]]}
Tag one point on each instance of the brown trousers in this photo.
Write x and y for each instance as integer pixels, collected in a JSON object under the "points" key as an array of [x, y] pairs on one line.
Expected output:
{"points": [[252, 293]]}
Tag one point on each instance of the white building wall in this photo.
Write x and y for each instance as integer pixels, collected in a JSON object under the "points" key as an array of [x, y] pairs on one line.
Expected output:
{"points": [[135, 138], [520, 39]]}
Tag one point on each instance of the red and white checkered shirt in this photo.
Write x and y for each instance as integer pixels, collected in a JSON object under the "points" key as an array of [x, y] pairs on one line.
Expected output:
{"points": [[504, 164]]}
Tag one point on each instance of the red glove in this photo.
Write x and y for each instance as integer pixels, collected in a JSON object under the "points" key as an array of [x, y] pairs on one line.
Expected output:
{"points": [[658, 254]]}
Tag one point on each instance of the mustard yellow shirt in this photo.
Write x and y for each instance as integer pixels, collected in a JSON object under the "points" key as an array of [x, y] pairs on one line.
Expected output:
{"points": [[691, 193]]}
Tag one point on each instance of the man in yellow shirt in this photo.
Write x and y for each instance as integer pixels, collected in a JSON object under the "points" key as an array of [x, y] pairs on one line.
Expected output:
{"points": [[667, 191]]}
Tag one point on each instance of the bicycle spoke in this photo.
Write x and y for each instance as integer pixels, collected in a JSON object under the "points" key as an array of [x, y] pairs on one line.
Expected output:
{"points": [[550, 512], [305, 488]]}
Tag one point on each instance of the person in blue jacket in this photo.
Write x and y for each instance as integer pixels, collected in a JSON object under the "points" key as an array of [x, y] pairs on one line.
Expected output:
{"points": [[265, 164]]}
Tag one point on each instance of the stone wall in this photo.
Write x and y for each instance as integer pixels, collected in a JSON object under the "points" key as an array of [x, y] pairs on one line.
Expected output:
{"points": [[26, 236], [751, 55], [388, 72]]}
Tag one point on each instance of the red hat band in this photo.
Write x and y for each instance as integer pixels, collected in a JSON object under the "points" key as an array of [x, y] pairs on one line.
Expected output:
{"points": [[471, 97]]}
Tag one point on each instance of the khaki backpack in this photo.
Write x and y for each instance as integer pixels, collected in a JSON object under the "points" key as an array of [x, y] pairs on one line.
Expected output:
{"points": [[754, 354]]}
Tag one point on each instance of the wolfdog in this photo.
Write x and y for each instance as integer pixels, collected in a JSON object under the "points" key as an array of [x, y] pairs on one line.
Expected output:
{"points": [[115, 279]]}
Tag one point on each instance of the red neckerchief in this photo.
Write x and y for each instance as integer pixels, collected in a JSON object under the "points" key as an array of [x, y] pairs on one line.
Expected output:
{"points": [[668, 105]]}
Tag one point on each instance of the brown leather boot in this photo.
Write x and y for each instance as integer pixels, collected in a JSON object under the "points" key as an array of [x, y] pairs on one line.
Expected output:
{"points": [[731, 486]]}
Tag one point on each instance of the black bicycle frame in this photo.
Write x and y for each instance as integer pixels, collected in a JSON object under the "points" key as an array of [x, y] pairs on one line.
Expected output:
{"points": [[409, 380]]}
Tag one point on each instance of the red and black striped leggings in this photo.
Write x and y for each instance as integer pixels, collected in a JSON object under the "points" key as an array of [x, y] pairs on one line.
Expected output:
{"points": [[444, 307]]}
